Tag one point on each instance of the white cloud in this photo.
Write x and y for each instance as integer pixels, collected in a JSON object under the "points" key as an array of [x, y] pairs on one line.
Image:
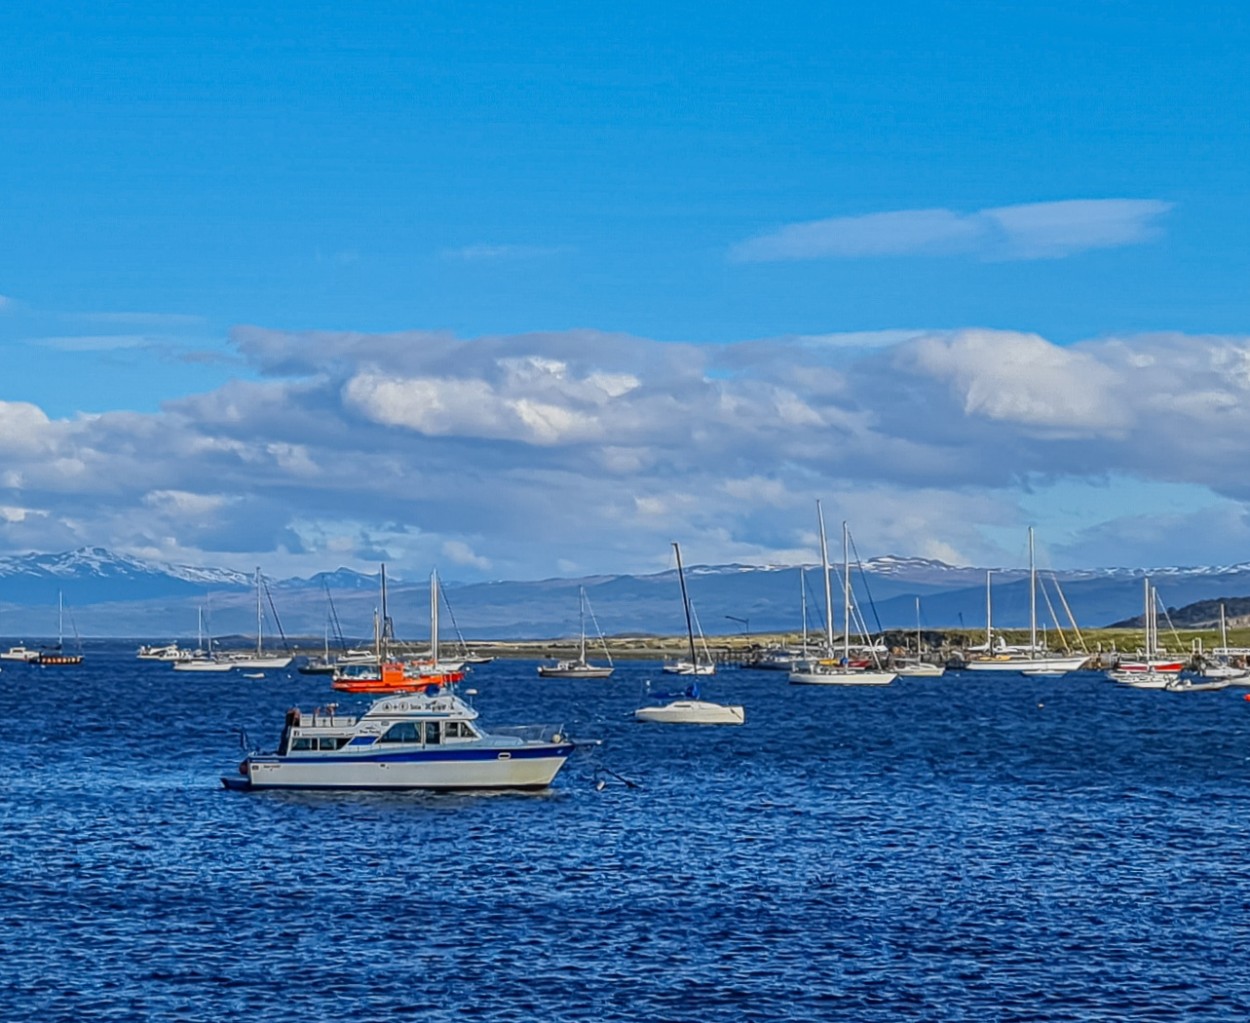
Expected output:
{"points": [[516, 454], [1045, 230], [24, 429], [460, 553], [1025, 380]]}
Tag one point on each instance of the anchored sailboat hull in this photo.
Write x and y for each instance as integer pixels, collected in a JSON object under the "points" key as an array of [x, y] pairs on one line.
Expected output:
{"points": [[1029, 664], [692, 712]]}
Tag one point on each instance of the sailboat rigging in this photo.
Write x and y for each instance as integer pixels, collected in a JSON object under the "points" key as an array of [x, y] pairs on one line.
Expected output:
{"points": [[1034, 659], [56, 656], [694, 665], [827, 671], [686, 708], [581, 667]]}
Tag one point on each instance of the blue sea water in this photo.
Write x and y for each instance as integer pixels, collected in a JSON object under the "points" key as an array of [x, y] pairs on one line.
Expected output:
{"points": [[963, 848]]}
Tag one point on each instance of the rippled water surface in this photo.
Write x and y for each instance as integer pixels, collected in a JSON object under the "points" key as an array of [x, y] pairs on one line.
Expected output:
{"points": [[965, 848]]}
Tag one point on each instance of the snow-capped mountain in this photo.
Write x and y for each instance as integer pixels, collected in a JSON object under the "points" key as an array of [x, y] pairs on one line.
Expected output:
{"points": [[117, 595]]}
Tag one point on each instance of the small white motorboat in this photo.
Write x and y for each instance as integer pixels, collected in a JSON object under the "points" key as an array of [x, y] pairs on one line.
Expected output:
{"points": [[1181, 684]]}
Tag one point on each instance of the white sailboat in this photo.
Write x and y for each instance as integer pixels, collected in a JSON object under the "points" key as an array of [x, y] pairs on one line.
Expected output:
{"points": [[1150, 671], [1035, 660], [695, 664], [1222, 667], [686, 708], [827, 671], [436, 664], [203, 659], [581, 668], [260, 659], [919, 667]]}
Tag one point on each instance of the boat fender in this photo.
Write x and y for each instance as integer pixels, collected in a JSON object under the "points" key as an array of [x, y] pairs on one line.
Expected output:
{"points": [[557, 738]]}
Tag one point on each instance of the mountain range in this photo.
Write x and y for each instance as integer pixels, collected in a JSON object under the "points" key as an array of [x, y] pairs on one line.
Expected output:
{"points": [[113, 595]]}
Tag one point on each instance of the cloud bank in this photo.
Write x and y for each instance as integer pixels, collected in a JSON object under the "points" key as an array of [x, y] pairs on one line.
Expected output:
{"points": [[541, 454], [1046, 230]]}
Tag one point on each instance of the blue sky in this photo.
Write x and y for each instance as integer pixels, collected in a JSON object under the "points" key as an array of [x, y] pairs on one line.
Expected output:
{"points": [[557, 174]]}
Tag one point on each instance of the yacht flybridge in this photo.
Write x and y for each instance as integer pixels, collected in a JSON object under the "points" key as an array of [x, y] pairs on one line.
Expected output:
{"points": [[426, 740]]}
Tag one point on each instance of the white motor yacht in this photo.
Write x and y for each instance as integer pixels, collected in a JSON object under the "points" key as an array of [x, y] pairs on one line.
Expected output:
{"points": [[20, 653], [426, 740]]}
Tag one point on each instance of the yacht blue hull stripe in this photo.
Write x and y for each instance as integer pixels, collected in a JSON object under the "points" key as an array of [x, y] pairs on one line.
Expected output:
{"points": [[431, 755]]}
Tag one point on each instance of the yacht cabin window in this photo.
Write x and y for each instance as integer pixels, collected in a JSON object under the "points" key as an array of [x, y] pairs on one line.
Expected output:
{"points": [[402, 731]]}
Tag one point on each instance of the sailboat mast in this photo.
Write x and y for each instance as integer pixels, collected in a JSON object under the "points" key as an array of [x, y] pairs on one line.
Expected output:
{"points": [[846, 596], [803, 605], [685, 603], [917, 628], [434, 616], [581, 618], [989, 616], [380, 628], [258, 612], [824, 560], [1032, 599], [60, 619]]}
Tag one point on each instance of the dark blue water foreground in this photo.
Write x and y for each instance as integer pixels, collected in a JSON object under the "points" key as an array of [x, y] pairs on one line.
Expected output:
{"points": [[966, 848]]}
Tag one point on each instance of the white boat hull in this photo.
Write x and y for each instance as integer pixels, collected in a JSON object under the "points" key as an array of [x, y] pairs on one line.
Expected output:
{"points": [[923, 670], [692, 712], [203, 666], [1189, 685], [261, 662], [1144, 679], [1073, 662], [686, 668], [489, 768], [574, 671], [842, 677]]}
